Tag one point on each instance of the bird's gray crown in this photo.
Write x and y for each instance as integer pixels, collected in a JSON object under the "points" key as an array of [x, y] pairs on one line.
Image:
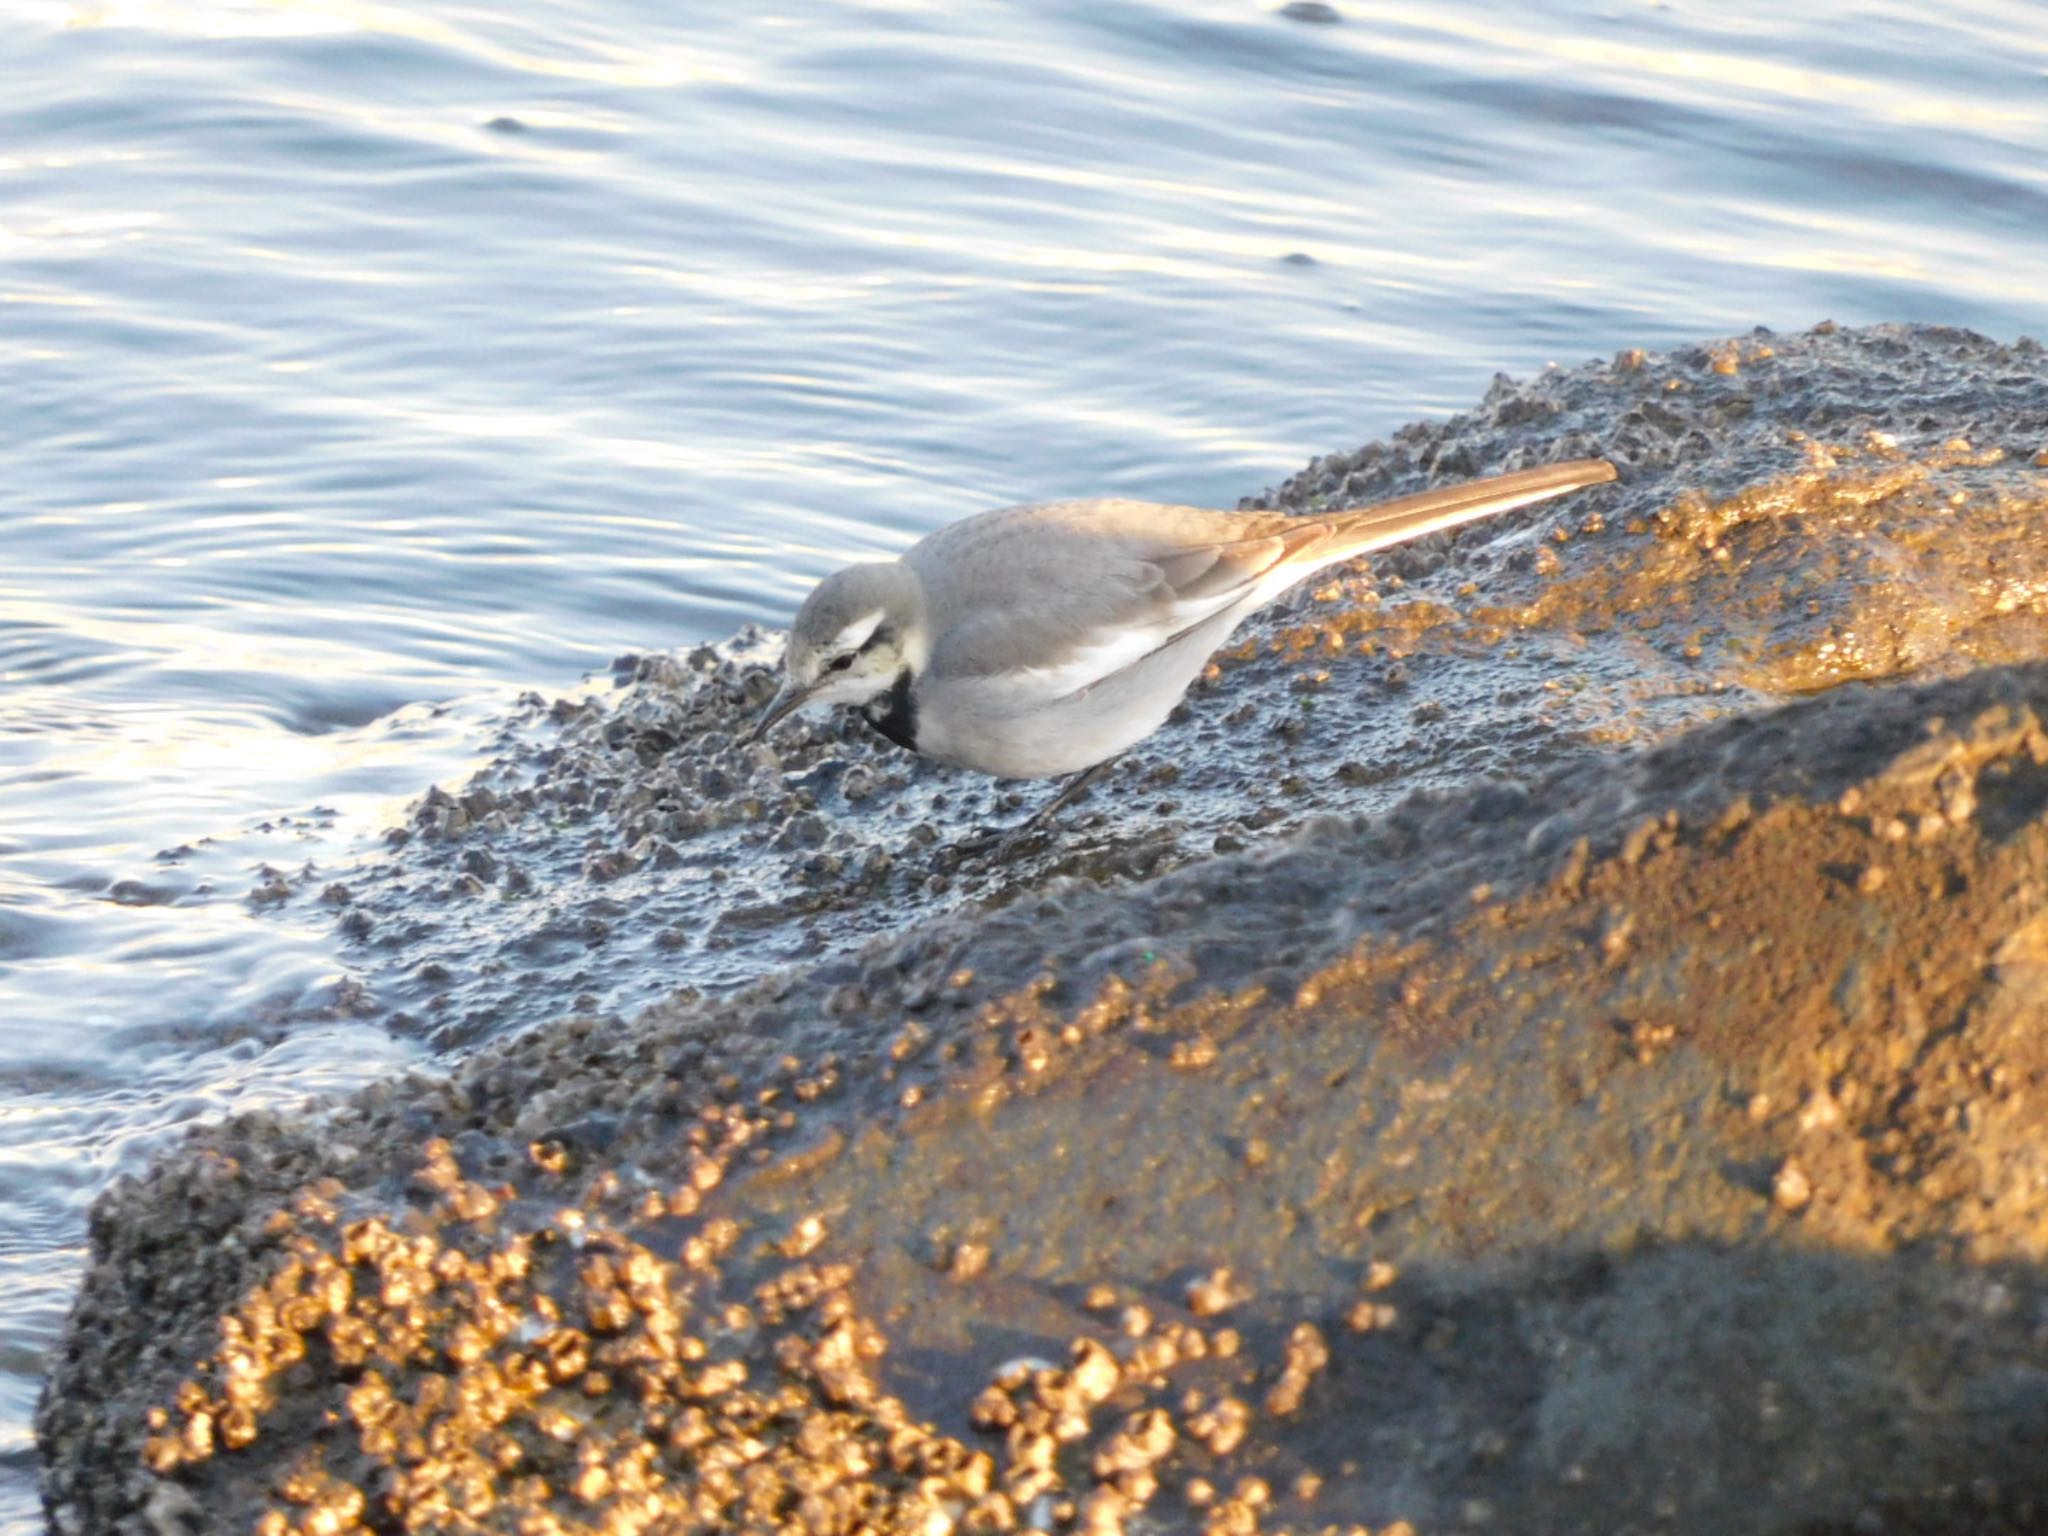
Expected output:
{"points": [[847, 607]]}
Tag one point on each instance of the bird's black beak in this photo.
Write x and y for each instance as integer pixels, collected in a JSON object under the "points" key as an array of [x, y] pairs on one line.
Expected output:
{"points": [[789, 700]]}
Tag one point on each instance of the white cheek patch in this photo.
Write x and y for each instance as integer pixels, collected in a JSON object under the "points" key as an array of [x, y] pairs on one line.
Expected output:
{"points": [[858, 633]]}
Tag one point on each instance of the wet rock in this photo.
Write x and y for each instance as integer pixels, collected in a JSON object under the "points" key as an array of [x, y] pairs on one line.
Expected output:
{"points": [[1569, 1258], [1750, 557], [1602, 1104]]}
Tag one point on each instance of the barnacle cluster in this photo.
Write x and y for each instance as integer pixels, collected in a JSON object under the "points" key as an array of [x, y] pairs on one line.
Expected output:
{"points": [[486, 1362]]}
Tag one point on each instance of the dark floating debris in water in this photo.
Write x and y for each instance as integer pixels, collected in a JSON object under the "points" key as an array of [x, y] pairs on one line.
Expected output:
{"points": [[506, 125], [1313, 11]]}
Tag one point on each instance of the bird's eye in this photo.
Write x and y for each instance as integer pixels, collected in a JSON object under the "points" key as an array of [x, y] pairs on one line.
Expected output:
{"points": [[840, 663]]}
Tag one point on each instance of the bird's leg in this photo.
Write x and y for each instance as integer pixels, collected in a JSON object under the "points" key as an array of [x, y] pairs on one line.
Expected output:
{"points": [[1069, 792], [1004, 843]]}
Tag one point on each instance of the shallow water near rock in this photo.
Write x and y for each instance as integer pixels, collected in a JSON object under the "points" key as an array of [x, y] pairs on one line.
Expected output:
{"points": [[369, 365]]}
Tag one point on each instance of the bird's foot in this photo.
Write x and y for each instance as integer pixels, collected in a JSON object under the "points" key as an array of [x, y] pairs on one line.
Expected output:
{"points": [[1006, 843], [999, 845]]}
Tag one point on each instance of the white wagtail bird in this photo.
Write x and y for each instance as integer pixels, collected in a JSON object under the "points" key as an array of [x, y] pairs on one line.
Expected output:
{"points": [[1038, 641]]}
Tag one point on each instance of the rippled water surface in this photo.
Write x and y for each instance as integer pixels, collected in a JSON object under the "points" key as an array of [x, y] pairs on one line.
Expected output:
{"points": [[363, 364]]}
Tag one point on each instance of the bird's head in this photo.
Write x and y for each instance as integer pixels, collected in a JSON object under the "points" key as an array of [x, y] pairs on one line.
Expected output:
{"points": [[859, 631]]}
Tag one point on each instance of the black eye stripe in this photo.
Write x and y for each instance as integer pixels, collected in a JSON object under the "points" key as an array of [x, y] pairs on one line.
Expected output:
{"points": [[841, 663]]}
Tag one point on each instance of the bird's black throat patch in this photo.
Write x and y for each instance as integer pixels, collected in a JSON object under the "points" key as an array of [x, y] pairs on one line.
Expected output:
{"points": [[894, 714]]}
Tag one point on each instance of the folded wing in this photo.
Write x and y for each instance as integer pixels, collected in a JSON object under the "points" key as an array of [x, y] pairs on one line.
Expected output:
{"points": [[1057, 597], [1071, 593]]}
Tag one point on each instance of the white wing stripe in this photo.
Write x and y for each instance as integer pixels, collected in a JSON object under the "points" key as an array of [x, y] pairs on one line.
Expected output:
{"points": [[1109, 651]]}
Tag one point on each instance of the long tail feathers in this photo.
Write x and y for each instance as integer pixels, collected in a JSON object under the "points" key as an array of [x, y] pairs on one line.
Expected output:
{"points": [[1396, 522]]}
